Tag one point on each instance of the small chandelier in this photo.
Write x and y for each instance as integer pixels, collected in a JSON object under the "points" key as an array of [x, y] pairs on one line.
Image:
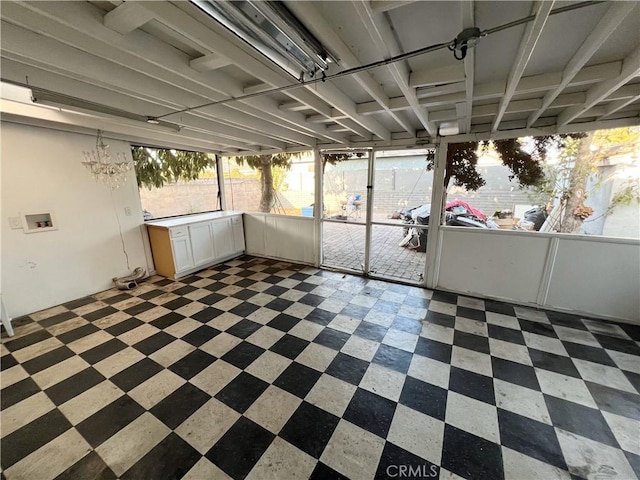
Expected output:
{"points": [[111, 172]]}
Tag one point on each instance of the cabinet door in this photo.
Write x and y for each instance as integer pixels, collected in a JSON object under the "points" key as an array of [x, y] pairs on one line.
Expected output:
{"points": [[182, 255], [223, 237], [238, 234], [202, 243]]}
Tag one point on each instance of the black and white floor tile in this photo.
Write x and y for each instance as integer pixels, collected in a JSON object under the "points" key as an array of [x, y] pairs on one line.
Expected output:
{"points": [[260, 369]]}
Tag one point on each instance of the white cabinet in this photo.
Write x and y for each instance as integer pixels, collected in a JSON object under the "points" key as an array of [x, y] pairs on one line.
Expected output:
{"points": [[223, 237], [180, 247], [238, 231], [202, 244], [182, 254]]}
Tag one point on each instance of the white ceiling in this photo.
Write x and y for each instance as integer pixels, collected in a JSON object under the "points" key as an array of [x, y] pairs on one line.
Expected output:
{"points": [[147, 59]]}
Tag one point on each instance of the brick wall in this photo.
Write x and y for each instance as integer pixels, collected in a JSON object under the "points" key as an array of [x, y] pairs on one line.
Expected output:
{"points": [[242, 194], [398, 184], [181, 198]]}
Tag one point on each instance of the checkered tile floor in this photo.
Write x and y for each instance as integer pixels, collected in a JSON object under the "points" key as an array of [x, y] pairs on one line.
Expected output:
{"points": [[258, 369]]}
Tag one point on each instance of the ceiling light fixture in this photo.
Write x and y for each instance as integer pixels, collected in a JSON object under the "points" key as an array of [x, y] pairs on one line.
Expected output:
{"points": [[103, 167], [274, 31], [42, 96], [448, 128]]}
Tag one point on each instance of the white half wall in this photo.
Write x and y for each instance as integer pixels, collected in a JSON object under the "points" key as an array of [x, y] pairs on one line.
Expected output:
{"points": [[600, 276], [41, 171], [492, 263], [280, 236], [594, 276]]}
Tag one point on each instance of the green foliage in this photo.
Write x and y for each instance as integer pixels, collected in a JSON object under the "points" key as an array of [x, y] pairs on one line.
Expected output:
{"points": [[615, 141], [626, 195], [525, 166], [462, 159], [279, 176], [257, 162], [333, 158], [157, 166], [555, 176], [603, 145]]}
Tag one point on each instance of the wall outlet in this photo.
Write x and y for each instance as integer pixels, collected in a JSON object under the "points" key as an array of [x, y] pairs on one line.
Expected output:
{"points": [[15, 222], [127, 211]]}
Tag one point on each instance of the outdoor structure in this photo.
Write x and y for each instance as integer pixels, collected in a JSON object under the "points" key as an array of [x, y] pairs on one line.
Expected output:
{"points": [[169, 74], [484, 307]]}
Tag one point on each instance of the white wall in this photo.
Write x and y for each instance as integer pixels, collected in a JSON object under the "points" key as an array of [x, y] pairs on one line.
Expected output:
{"points": [[597, 276], [41, 171], [492, 263], [280, 236], [591, 275]]}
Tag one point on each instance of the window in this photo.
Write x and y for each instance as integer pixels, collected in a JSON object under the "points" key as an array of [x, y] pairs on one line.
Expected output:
{"points": [[176, 182], [292, 187], [590, 185]]}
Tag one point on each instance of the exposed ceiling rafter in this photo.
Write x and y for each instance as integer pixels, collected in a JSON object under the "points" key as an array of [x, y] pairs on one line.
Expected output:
{"points": [[126, 129], [530, 38], [52, 57], [308, 13], [126, 17], [617, 12], [439, 96], [380, 6], [389, 81], [210, 41], [211, 34], [138, 52], [614, 107], [437, 76], [597, 93], [207, 63], [381, 34]]}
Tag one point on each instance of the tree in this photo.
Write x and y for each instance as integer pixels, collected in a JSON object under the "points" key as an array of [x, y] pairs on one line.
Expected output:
{"points": [[578, 161], [525, 162], [572, 199], [333, 158], [264, 165], [157, 166]]}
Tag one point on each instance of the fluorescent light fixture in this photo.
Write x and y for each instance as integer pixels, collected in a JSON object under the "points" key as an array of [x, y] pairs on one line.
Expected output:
{"points": [[274, 31], [67, 102], [16, 93]]}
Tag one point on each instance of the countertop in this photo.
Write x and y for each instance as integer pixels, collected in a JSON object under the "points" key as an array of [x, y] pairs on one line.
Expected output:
{"points": [[188, 219]]}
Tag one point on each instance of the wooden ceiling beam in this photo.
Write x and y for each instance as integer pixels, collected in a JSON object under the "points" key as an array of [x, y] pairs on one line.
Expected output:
{"points": [[615, 14], [380, 32], [485, 91], [126, 17], [207, 63], [532, 33], [597, 93], [184, 19], [308, 14]]}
